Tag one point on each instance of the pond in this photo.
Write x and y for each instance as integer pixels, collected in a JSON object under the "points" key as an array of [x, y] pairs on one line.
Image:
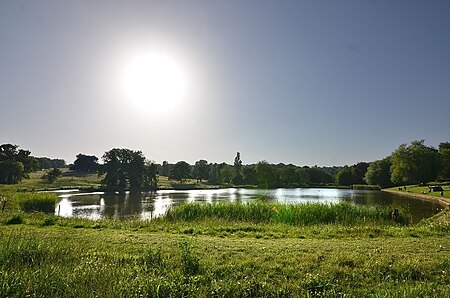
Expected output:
{"points": [[99, 205]]}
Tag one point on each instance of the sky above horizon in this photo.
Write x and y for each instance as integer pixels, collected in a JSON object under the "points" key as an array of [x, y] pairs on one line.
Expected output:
{"points": [[303, 82]]}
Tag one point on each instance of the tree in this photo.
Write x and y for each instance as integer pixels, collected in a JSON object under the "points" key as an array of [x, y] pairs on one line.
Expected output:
{"points": [[123, 168], [201, 170], [345, 176], [444, 157], [358, 171], [227, 174], [150, 180], [249, 175], [180, 171], [15, 164], [288, 176], [378, 173], [213, 175], [165, 169], [266, 174], [415, 163], [52, 175], [85, 163], [237, 169]]}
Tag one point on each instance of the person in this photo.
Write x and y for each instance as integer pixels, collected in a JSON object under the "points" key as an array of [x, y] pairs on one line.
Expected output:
{"points": [[442, 193], [394, 214]]}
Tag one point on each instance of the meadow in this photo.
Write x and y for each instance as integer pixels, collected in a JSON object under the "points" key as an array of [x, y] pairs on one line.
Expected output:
{"points": [[260, 249]]}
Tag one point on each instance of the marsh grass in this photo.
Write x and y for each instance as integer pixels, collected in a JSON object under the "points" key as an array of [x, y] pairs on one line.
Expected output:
{"points": [[291, 214], [37, 202]]}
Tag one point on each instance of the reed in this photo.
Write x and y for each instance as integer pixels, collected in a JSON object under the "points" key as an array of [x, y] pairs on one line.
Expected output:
{"points": [[298, 214], [37, 202]]}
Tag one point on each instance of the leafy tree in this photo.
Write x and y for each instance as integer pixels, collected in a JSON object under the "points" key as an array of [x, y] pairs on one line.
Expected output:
{"points": [[266, 174], [150, 180], [227, 174], [345, 176], [180, 171], [52, 175], [378, 173], [48, 163], [15, 164], [85, 163], [318, 175], [165, 169], [249, 175], [303, 176], [237, 179], [444, 157], [201, 170], [358, 171], [124, 168], [288, 176], [415, 163], [11, 172], [213, 175]]}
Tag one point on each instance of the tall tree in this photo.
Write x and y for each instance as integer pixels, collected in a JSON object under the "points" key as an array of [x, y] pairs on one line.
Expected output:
{"points": [[345, 176], [415, 163], [444, 157], [201, 170], [180, 171], [15, 164], [237, 179], [123, 168], [85, 163], [213, 175], [378, 173], [266, 174], [165, 169], [227, 174]]}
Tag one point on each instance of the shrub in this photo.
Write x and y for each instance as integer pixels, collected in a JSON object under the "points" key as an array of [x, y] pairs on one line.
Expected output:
{"points": [[16, 219]]}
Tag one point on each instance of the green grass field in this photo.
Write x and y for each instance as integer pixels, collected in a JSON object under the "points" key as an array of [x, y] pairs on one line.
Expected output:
{"points": [[418, 189], [223, 250]]}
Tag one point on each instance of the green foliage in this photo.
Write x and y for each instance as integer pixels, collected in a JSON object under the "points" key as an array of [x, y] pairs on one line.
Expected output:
{"points": [[444, 157], [237, 179], [52, 175], [227, 174], [85, 163], [37, 202], [298, 214], [15, 164], [266, 174], [415, 163], [190, 263], [201, 170], [180, 171], [378, 173], [15, 219]]}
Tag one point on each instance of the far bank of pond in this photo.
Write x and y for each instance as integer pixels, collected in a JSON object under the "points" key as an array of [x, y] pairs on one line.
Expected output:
{"points": [[98, 205]]}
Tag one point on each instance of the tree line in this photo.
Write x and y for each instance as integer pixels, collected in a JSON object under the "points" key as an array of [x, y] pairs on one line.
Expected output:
{"points": [[129, 169]]}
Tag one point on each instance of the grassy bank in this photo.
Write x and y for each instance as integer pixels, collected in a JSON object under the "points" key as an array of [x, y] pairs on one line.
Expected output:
{"points": [[215, 256]]}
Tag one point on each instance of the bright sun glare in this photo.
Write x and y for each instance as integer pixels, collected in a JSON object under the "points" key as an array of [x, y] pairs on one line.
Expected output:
{"points": [[154, 81]]}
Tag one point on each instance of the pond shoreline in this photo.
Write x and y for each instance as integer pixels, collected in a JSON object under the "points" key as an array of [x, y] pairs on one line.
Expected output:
{"points": [[442, 201]]}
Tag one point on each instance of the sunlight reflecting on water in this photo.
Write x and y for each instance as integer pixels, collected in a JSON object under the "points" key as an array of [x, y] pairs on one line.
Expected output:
{"points": [[98, 205]]}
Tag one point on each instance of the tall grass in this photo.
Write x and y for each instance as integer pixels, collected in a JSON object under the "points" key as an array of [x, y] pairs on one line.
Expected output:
{"points": [[298, 214], [39, 202]]}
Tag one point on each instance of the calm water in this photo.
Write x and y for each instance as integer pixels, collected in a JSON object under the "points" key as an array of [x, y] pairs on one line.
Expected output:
{"points": [[99, 205]]}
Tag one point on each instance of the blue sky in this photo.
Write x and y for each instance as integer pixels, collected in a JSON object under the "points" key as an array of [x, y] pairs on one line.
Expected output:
{"points": [[303, 82]]}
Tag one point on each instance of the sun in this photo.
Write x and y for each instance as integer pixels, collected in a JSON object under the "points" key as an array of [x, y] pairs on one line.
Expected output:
{"points": [[154, 81]]}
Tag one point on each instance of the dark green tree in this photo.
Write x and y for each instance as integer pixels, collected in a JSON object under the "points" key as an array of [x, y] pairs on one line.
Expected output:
{"points": [[15, 164], [201, 170], [123, 168], [444, 158], [415, 163], [180, 171], [288, 176], [85, 163], [237, 179], [213, 175], [165, 169], [358, 171], [378, 173], [52, 175], [345, 176], [150, 180], [266, 174], [227, 174], [249, 175]]}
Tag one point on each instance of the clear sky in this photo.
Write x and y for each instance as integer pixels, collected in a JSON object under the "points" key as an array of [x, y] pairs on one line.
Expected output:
{"points": [[303, 82]]}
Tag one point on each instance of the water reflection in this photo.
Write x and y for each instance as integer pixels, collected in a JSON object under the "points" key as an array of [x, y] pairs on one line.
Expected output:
{"points": [[146, 206]]}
